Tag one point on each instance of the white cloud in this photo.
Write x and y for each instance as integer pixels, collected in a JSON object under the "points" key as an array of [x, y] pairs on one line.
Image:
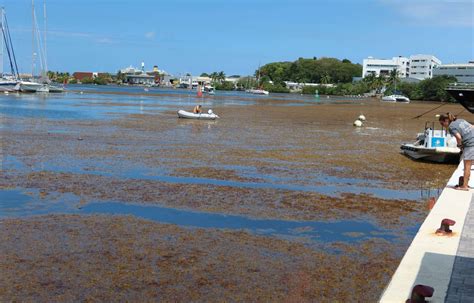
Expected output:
{"points": [[457, 13], [104, 40], [150, 35]]}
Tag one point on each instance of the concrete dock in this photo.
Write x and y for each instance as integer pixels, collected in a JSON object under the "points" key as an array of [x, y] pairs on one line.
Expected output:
{"points": [[443, 262]]}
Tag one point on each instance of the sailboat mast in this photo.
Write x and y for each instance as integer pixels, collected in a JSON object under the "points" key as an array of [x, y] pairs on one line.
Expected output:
{"points": [[3, 46], [32, 38], [44, 42]]}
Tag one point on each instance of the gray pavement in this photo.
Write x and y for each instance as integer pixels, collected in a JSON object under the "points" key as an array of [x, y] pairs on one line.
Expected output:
{"points": [[461, 286]]}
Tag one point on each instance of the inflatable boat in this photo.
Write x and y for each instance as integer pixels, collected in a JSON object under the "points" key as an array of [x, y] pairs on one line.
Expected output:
{"points": [[202, 116]]}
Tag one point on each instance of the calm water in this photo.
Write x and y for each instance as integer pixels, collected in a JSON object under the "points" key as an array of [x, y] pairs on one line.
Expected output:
{"points": [[89, 103], [20, 203]]}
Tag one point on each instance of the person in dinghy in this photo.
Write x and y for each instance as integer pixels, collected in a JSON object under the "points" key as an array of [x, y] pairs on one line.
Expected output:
{"points": [[463, 131], [197, 109]]}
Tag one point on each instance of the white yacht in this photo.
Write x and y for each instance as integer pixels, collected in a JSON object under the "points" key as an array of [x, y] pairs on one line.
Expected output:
{"points": [[28, 86], [7, 85], [396, 98], [257, 91], [433, 145]]}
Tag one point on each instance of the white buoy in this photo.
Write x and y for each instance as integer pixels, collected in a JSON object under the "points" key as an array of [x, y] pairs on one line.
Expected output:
{"points": [[438, 115], [357, 123], [361, 118]]}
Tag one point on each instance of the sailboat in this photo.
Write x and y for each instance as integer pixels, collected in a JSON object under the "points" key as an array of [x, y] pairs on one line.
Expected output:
{"points": [[44, 83], [51, 88], [31, 86], [258, 91], [7, 82]]}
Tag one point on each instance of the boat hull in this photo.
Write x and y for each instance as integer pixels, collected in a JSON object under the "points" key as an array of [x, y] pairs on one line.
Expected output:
{"points": [[187, 115], [431, 154], [29, 87], [465, 96], [396, 99], [258, 91], [55, 89]]}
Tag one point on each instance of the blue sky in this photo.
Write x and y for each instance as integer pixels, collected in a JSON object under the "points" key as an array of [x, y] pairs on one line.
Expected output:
{"points": [[235, 36]]}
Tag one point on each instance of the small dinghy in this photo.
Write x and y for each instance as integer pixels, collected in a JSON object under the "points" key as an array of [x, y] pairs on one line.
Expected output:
{"points": [[203, 116], [434, 146]]}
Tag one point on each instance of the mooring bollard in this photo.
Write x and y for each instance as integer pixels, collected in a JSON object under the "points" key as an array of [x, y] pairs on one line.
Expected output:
{"points": [[444, 228], [420, 293]]}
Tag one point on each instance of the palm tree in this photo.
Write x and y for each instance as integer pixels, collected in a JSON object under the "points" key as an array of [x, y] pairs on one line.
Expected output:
{"points": [[393, 78], [213, 76], [221, 76]]}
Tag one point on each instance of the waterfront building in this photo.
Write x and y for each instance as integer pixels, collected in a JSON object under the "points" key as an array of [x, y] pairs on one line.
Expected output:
{"points": [[79, 76], [187, 80], [137, 76], [140, 79], [130, 70], [421, 66], [464, 72], [383, 67]]}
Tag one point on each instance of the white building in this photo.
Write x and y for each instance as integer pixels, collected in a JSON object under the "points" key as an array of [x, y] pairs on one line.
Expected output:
{"points": [[464, 73], [383, 67], [417, 66], [130, 70], [421, 66]]}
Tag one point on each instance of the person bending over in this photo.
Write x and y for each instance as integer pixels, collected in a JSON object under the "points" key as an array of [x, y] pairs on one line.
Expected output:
{"points": [[464, 134]]}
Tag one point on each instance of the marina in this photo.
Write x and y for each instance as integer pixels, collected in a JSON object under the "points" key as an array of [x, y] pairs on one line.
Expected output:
{"points": [[212, 151], [120, 155]]}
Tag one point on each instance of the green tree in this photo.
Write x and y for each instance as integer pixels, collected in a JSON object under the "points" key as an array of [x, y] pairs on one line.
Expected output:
{"points": [[435, 89], [87, 80], [121, 77], [326, 79], [225, 85]]}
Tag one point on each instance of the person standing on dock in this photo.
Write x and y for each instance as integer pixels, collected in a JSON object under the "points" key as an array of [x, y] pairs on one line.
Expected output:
{"points": [[463, 131]]}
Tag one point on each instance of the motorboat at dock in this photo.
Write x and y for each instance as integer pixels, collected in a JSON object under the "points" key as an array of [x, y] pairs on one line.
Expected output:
{"points": [[433, 145]]}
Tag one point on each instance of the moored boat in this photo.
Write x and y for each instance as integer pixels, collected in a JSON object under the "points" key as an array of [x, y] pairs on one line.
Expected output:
{"points": [[464, 94], [396, 98], [434, 146], [203, 116], [28, 86], [258, 91], [55, 89]]}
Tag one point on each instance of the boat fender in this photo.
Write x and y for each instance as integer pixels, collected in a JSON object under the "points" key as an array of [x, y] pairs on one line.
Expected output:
{"points": [[357, 123], [361, 118], [209, 112]]}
